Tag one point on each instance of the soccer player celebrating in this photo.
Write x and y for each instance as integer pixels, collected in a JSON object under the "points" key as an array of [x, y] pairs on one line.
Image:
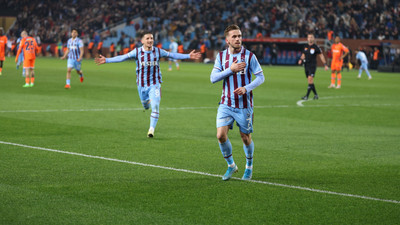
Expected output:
{"points": [[30, 47], [75, 55], [3, 48], [337, 62], [309, 57], [148, 73], [360, 55], [235, 66]]}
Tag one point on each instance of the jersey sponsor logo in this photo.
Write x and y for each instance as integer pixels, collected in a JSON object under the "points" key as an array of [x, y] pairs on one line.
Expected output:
{"points": [[149, 63]]}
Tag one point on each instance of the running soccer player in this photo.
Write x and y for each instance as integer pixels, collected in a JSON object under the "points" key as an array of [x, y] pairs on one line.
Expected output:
{"points": [[3, 48], [148, 73], [337, 62], [29, 46], [75, 55], [309, 58], [360, 55], [235, 66], [173, 47]]}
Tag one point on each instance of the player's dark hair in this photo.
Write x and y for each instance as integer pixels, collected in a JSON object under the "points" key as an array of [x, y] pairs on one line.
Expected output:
{"points": [[145, 32], [76, 29], [311, 33], [229, 28]]}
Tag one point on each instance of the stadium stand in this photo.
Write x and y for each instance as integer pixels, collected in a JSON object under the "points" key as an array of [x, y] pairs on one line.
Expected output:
{"points": [[193, 22]]}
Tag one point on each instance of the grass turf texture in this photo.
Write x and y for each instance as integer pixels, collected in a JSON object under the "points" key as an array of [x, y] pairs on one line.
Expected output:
{"points": [[346, 142]]}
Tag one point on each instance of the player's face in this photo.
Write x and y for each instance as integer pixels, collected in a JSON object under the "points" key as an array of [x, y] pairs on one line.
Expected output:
{"points": [[147, 41], [74, 34], [234, 39], [310, 39], [337, 40]]}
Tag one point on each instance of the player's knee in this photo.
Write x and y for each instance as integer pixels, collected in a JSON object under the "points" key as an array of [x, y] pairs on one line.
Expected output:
{"points": [[222, 137], [246, 138]]}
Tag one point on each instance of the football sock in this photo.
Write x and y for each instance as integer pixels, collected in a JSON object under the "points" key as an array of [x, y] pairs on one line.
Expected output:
{"points": [[154, 113], [32, 80], [313, 89], [333, 78], [1, 69], [27, 80], [249, 151], [308, 89], [226, 150], [339, 78], [68, 81]]}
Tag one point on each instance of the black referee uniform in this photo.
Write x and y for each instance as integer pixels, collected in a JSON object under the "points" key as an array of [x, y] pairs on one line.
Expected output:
{"points": [[310, 66]]}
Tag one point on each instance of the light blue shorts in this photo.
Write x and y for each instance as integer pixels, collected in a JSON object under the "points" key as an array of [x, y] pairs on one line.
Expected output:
{"points": [[152, 92], [72, 63], [244, 118], [364, 66]]}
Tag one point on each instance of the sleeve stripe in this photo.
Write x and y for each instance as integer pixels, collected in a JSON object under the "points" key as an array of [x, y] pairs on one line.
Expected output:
{"points": [[217, 68], [258, 72]]}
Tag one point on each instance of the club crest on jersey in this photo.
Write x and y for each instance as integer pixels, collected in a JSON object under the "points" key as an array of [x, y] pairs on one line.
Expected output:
{"points": [[312, 51]]}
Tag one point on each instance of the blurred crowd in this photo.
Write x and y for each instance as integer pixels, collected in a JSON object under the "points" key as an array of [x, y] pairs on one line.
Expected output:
{"points": [[198, 20]]}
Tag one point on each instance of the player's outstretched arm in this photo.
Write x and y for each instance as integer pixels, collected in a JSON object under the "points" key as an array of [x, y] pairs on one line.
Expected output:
{"points": [[100, 60]]}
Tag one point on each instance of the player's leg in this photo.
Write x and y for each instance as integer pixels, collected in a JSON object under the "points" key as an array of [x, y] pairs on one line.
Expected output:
{"points": [[308, 87], [1, 67], [155, 99], [68, 78], [144, 96], [365, 66], [169, 64], [27, 73], [32, 69], [312, 84], [177, 64], [224, 122], [360, 71], [244, 119], [70, 65], [339, 80], [78, 68], [333, 74]]}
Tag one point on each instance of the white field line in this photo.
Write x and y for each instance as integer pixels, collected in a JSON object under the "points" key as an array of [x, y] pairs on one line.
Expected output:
{"points": [[203, 173]]}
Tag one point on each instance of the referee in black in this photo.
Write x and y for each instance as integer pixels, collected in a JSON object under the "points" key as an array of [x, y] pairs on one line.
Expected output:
{"points": [[309, 58]]}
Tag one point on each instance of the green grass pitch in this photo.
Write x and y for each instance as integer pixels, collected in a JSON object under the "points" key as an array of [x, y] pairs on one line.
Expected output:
{"points": [[344, 146]]}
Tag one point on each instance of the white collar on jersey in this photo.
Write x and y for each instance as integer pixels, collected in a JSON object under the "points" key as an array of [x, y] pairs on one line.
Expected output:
{"points": [[152, 48]]}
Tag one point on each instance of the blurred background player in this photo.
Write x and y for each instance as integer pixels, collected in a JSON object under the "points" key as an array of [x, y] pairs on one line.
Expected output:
{"points": [[309, 58], [148, 73], [20, 59], [3, 48], [173, 47], [235, 67], [360, 55], [29, 46], [75, 54], [337, 61]]}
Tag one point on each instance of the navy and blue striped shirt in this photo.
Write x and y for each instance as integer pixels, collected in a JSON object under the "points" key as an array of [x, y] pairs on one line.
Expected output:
{"points": [[232, 81], [74, 46], [147, 64]]}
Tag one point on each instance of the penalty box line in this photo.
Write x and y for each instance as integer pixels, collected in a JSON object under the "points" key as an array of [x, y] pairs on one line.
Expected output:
{"points": [[202, 173]]}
